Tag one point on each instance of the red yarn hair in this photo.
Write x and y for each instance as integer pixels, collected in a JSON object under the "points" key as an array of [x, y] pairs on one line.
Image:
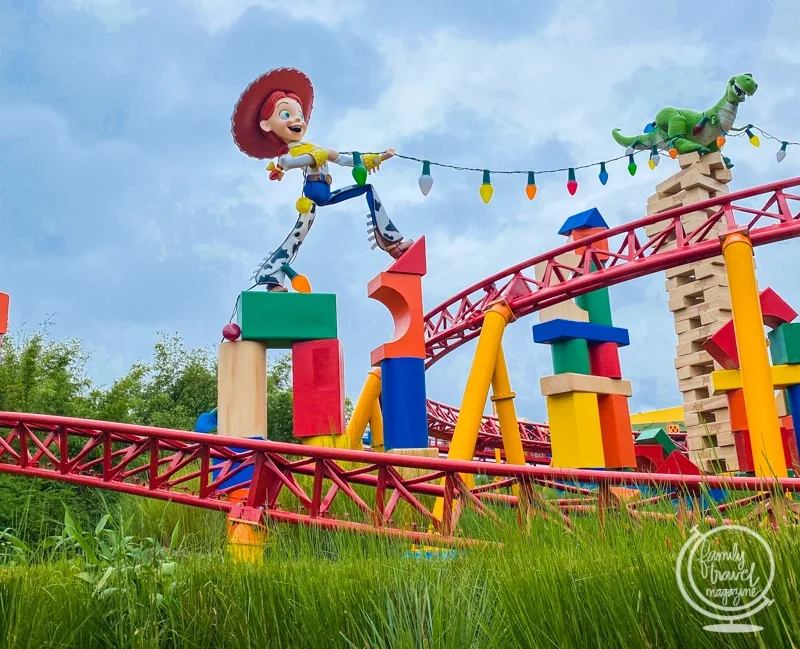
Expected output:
{"points": [[266, 112]]}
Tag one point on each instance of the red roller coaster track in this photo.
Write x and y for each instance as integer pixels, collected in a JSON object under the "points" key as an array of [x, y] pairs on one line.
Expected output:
{"points": [[312, 486], [631, 254]]}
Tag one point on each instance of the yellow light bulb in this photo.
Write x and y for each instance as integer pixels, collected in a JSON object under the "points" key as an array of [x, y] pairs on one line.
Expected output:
{"points": [[754, 140], [651, 164], [486, 192]]}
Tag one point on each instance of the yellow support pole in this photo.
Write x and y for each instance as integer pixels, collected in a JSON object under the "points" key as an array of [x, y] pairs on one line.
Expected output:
{"points": [[376, 425], [503, 399], [762, 414], [465, 435], [363, 409]]}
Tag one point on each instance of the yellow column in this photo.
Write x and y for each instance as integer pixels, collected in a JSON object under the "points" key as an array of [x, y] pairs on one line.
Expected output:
{"points": [[363, 409], [503, 399], [762, 414], [480, 377], [376, 425], [465, 435]]}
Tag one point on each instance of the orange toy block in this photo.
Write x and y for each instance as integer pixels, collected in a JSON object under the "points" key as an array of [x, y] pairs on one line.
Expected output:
{"points": [[736, 409], [402, 294], [4, 301], [413, 261], [581, 233], [615, 428]]}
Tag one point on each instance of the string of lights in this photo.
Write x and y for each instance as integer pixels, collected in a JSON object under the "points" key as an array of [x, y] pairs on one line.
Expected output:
{"points": [[486, 190]]}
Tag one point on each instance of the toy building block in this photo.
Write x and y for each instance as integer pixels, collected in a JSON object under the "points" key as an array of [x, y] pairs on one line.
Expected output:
{"points": [[575, 435], [318, 388], [783, 376], [774, 309], [402, 295], [568, 309], [280, 319], [582, 233], [784, 344], [648, 456], [597, 305], [793, 405], [590, 218], [736, 410], [571, 356], [4, 304], [604, 360], [677, 464], [780, 403], [559, 330], [790, 450], [413, 261], [615, 425], [656, 436], [405, 414], [242, 389], [744, 449], [571, 382]]}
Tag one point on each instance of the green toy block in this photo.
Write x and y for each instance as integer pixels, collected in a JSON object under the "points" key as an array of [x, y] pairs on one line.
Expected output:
{"points": [[280, 319], [657, 436], [597, 304], [784, 344], [570, 356]]}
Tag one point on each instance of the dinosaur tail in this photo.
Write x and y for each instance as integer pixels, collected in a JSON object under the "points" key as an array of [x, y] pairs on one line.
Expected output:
{"points": [[638, 142]]}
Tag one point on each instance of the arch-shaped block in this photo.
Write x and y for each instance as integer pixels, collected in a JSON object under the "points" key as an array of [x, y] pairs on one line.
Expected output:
{"points": [[402, 294]]}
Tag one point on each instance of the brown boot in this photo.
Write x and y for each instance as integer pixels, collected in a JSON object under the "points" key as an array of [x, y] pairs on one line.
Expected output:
{"points": [[396, 250], [277, 288]]}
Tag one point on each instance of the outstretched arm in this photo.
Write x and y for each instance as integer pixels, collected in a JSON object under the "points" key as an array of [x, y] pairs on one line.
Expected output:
{"points": [[288, 161]]}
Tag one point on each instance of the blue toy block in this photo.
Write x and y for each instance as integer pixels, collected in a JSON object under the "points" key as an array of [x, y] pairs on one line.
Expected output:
{"points": [[559, 330], [405, 414], [588, 219], [241, 478], [207, 422]]}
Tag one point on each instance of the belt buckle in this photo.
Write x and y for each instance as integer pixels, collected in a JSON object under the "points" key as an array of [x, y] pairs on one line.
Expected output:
{"points": [[328, 179]]}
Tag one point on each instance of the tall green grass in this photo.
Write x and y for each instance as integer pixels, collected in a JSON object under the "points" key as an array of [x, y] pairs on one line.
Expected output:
{"points": [[593, 587]]}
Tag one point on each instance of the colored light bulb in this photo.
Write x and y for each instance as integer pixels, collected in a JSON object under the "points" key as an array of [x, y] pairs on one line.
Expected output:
{"points": [[603, 175], [486, 190], [425, 179], [629, 151], [781, 154], [631, 165], [654, 158], [649, 128], [359, 170], [721, 139], [753, 137], [673, 152], [698, 128], [572, 184], [530, 188]]}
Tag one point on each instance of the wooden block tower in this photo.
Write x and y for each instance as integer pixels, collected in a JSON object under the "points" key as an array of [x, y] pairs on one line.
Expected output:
{"points": [[700, 303], [587, 400]]}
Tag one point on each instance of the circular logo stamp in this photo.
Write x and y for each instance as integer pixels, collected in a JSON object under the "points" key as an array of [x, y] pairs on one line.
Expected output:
{"points": [[725, 574]]}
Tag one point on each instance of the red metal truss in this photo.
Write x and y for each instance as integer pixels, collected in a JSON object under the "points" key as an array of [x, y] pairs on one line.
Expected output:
{"points": [[630, 254], [314, 486]]}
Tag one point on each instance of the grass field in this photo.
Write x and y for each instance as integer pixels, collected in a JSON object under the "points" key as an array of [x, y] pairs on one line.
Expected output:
{"points": [[164, 579]]}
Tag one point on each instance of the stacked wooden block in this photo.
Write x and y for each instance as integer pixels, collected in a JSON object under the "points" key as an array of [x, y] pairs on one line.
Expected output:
{"points": [[700, 302], [587, 400]]}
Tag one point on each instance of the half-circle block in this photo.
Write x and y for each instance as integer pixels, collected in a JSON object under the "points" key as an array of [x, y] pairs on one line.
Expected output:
{"points": [[402, 294], [413, 261]]}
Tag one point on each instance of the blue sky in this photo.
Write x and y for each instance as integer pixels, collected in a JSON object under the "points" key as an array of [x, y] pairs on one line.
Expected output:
{"points": [[126, 209]]}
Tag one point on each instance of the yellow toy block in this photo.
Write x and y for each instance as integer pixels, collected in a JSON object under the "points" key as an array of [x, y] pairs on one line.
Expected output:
{"points": [[782, 377], [570, 382], [575, 437]]}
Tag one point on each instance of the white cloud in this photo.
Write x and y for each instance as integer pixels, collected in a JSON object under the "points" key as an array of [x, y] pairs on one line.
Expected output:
{"points": [[112, 13], [216, 15]]}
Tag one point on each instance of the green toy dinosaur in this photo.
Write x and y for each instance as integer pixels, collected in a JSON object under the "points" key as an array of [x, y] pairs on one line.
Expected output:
{"points": [[688, 130]]}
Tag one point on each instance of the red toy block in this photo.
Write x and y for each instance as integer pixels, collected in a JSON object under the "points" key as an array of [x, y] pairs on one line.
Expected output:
{"points": [[413, 261], [581, 233], [615, 429], [736, 409], [648, 456], [677, 464], [402, 295], [789, 447], [318, 388], [744, 452], [786, 422], [4, 302], [604, 360], [722, 344], [774, 309]]}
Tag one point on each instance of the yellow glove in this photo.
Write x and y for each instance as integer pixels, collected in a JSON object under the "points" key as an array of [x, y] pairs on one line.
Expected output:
{"points": [[320, 156], [371, 161]]}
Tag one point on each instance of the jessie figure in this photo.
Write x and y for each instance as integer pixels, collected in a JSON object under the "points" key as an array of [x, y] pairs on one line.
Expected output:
{"points": [[269, 121]]}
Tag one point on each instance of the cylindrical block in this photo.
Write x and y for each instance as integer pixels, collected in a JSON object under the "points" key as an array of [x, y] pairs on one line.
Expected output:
{"points": [[762, 415], [242, 389]]}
